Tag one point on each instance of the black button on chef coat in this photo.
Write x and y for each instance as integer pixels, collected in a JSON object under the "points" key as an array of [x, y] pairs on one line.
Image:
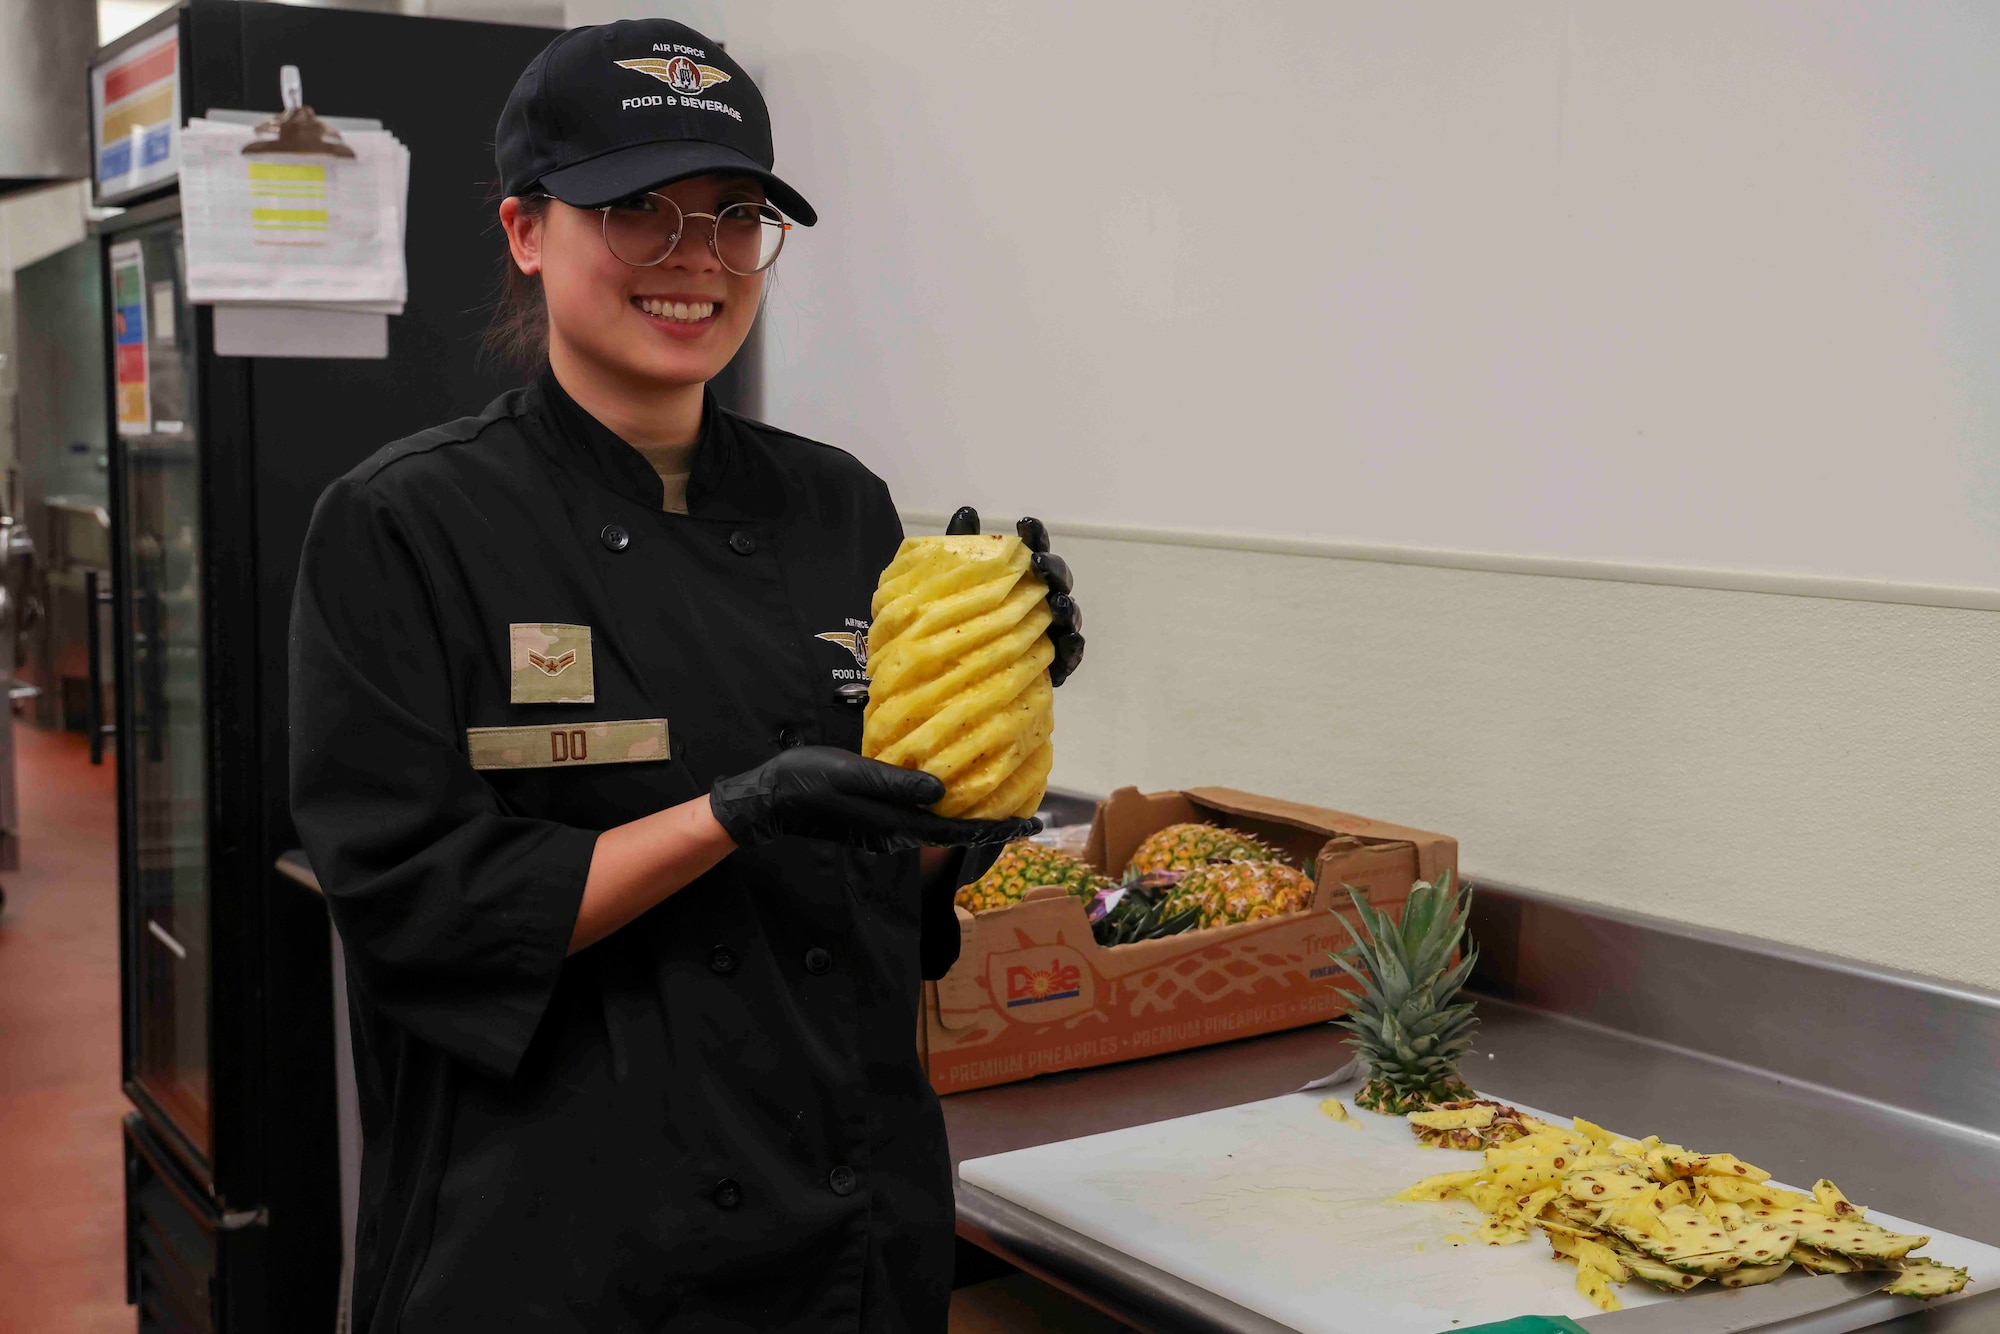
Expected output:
{"points": [[640, 1137]]}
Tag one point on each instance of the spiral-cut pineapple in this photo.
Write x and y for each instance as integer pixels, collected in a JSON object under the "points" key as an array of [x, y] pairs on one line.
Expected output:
{"points": [[959, 665]]}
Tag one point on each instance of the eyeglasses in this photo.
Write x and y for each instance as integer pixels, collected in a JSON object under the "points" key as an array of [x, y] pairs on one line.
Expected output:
{"points": [[745, 237]]}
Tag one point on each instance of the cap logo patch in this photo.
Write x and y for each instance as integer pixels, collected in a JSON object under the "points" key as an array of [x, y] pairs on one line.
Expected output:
{"points": [[680, 74]]}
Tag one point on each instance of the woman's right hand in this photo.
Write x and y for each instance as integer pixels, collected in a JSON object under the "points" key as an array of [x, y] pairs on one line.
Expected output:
{"points": [[825, 792]]}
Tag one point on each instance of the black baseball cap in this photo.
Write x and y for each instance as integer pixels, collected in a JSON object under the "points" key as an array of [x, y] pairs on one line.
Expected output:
{"points": [[610, 111]]}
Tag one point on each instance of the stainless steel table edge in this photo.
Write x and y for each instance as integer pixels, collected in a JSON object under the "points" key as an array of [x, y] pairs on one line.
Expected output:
{"points": [[1156, 1302], [1102, 1276], [1920, 1045]]}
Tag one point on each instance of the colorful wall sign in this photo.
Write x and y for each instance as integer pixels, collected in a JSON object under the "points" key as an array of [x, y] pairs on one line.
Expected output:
{"points": [[128, 338], [135, 107]]}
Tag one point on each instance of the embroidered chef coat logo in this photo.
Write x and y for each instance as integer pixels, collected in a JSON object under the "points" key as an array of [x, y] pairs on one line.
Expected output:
{"points": [[680, 74], [550, 664], [855, 640]]}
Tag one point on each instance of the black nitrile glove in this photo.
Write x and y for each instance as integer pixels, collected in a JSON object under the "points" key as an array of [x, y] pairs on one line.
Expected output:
{"points": [[1066, 630], [825, 792]]}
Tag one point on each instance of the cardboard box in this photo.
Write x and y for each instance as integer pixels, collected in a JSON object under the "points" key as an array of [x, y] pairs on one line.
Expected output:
{"points": [[1033, 991]]}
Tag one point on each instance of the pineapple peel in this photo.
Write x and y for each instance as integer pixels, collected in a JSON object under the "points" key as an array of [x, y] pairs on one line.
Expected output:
{"points": [[1625, 1210], [1596, 1285], [1927, 1278], [1455, 1119], [1440, 1187], [1337, 1110], [1749, 1276], [958, 659]]}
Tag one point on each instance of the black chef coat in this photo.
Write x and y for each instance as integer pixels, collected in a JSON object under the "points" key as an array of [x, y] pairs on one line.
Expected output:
{"points": [[715, 1118]]}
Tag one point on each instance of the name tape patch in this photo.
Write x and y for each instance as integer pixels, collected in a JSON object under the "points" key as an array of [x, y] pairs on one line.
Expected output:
{"points": [[555, 745]]}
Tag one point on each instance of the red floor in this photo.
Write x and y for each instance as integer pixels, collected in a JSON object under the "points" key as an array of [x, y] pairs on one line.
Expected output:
{"points": [[62, 1224]]}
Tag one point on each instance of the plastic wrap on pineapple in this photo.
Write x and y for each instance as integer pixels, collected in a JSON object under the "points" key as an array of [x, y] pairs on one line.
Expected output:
{"points": [[959, 653]]}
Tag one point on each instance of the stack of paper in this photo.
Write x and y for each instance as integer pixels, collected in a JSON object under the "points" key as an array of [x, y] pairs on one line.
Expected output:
{"points": [[291, 230]]}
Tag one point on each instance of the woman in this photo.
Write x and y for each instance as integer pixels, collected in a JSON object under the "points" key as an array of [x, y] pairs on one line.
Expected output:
{"points": [[634, 936]]}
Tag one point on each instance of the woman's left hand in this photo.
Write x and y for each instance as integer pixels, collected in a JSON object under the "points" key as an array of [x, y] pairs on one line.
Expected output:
{"points": [[1066, 630]]}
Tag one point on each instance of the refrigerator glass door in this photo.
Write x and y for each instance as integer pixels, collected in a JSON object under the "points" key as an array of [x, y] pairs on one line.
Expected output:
{"points": [[167, 867]]}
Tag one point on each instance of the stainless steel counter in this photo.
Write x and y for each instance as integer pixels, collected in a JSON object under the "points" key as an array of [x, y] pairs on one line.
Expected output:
{"points": [[1806, 1065], [1829, 1026]]}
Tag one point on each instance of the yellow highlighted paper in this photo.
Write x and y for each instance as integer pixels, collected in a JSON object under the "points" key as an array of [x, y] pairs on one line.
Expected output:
{"points": [[288, 171], [289, 219]]}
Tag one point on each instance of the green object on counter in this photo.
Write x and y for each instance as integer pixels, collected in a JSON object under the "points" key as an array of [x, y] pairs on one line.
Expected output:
{"points": [[1523, 1324]]}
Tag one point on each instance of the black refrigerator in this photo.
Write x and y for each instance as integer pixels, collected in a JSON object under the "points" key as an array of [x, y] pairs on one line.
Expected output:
{"points": [[233, 1212]]}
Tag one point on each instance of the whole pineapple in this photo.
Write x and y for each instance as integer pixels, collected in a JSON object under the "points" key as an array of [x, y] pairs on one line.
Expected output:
{"points": [[1022, 866], [1183, 847], [1407, 1023], [1229, 892]]}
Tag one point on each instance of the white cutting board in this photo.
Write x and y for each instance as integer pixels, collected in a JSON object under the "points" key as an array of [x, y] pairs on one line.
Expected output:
{"points": [[1285, 1211]]}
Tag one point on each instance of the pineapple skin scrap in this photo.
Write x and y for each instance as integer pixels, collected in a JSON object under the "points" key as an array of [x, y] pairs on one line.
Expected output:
{"points": [[1652, 1212], [1337, 1111], [1596, 1285], [1467, 1117]]}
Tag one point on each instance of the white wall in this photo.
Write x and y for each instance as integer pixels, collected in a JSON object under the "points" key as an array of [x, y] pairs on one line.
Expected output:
{"points": [[1708, 284], [115, 18], [1525, 233]]}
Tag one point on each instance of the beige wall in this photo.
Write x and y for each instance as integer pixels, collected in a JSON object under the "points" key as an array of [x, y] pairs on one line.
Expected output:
{"points": [[1811, 770]]}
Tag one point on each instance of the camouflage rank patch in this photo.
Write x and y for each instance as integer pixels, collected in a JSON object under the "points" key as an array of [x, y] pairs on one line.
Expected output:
{"points": [[550, 664], [555, 745]]}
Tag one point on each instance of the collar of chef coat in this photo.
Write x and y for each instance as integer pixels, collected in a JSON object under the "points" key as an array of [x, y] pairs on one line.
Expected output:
{"points": [[726, 479]]}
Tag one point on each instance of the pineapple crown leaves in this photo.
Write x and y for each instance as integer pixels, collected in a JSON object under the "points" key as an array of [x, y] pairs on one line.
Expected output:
{"points": [[1144, 914], [1406, 986]]}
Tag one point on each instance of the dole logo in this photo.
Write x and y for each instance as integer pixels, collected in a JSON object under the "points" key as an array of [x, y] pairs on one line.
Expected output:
{"points": [[1040, 984], [1056, 980]]}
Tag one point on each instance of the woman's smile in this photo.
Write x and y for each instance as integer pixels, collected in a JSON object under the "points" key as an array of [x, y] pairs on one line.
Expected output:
{"points": [[679, 316]]}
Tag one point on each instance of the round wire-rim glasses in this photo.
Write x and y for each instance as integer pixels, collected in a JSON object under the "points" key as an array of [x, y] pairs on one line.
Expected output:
{"points": [[744, 237]]}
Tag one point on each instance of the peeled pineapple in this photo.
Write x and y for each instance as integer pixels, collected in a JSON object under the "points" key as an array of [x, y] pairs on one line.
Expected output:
{"points": [[959, 661]]}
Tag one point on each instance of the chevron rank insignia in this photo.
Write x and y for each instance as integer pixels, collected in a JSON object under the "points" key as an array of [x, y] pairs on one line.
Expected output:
{"points": [[550, 664]]}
